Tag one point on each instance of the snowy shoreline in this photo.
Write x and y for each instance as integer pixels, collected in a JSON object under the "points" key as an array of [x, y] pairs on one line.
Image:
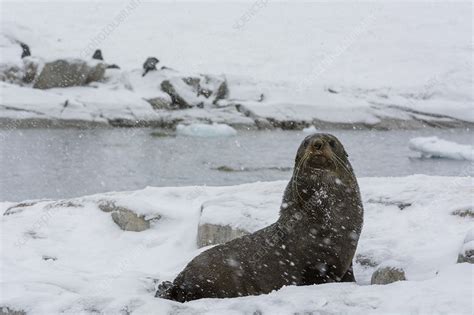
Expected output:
{"points": [[75, 252], [239, 122], [339, 73]]}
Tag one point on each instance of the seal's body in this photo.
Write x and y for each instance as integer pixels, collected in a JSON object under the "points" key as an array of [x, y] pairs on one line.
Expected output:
{"points": [[313, 241]]}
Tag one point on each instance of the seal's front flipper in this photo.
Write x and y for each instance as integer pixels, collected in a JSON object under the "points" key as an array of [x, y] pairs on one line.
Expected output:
{"points": [[349, 276]]}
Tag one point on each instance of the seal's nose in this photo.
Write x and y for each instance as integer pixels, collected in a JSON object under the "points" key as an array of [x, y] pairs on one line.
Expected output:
{"points": [[318, 144]]}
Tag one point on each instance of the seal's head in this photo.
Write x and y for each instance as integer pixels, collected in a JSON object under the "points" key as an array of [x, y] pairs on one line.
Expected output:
{"points": [[322, 152]]}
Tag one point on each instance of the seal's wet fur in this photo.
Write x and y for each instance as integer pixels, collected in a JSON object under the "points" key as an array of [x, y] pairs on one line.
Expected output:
{"points": [[313, 241]]}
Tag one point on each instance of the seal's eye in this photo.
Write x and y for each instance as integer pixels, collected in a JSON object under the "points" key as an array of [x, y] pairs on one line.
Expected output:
{"points": [[332, 143]]}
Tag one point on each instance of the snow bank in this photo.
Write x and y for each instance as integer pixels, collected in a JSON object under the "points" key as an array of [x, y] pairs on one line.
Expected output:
{"points": [[206, 130], [439, 148], [69, 256]]}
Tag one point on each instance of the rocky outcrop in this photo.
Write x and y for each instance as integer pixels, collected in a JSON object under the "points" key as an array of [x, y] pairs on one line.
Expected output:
{"points": [[222, 92], [196, 91], [177, 100], [130, 221], [388, 274], [212, 234], [20, 74], [125, 218], [66, 73], [160, 103], [466, 254], [365, 260], [30, 69], [5, 310], [466, 212]]}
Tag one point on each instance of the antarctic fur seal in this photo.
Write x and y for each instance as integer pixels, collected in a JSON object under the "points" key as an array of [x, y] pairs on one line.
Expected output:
{"points": [[312, 242]]}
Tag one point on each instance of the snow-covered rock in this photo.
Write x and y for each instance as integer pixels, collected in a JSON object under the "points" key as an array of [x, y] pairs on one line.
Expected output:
{"points": [[20, 73], [125, 218], [212, 234], [64, 73], [206, 130], [466, 211], [467, 251], [179, 100], [388, 273], [160, 102], [5, 310], [433, 147]]}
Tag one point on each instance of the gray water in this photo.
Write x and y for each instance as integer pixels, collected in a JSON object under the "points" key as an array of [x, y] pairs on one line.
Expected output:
{"points": [[62, 163]]}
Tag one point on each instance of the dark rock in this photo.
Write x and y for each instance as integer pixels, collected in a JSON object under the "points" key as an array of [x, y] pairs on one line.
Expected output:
{"points": [[66, 73], [211, 234], [263, 124], [464, 212], [177, 101], [25, 50], [149, 65], [222, 92], [113, 66], [194, 82], [96, 73], [160, 103], [19, 74], [63, 204], [400, 204], [7, 310], [46, 257], [11, 74], [97, 55], [366, 260], [205, 92], [289, 124], [387, 274], [125, 218], [225, 168], [30, 70], [19, 207], [466, 254], [161, 134]]}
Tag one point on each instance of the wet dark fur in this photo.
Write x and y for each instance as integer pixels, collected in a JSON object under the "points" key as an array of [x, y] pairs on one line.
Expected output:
{"points": [[313, 241]]}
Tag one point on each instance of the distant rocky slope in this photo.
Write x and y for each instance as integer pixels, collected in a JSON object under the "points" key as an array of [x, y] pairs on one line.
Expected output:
{"points": [[75, 92]]}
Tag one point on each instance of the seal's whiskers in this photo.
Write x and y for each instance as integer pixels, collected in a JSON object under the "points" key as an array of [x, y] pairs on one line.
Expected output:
{"points": [[298, 169], [339, 161]]}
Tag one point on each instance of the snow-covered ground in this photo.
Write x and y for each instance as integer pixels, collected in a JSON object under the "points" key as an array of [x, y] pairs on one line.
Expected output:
{"points": [[69, 256], [433, 147], [384, 64]]}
